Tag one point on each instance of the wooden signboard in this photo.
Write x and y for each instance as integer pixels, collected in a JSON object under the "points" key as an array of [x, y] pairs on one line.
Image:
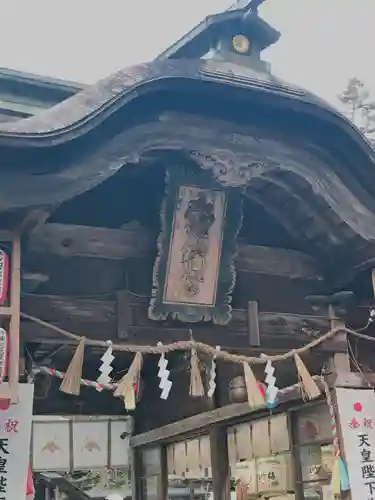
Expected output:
{"points": [[274, 474], [194, 273], [190, 459], [314, 424], [259, 438], [194, 259], [311, 462], [15, 433], [246, 472], [259, 455], [356, 411]]}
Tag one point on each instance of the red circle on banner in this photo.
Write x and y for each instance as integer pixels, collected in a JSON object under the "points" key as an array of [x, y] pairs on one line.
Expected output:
{"points": [[4, 404], [357, 407]]}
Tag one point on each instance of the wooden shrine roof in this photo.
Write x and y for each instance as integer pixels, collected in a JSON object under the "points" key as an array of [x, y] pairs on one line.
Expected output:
{"points": [[88, 108], [307, 164], [291, 153]]}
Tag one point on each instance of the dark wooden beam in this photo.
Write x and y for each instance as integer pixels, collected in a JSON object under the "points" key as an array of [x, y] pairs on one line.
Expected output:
{"points": [[133, 241], [277, 262], [253, 318], [31, 281], [124, 314], [190, 424], [33, 220], [83, 241], [206, 420], [76, 310], [220, 463], [6, 235], [99, 319]]}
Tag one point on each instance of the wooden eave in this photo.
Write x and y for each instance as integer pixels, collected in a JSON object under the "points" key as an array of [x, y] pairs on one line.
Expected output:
{"points": [[84, 140], [23, 94], [30, 83], [94, 104]]}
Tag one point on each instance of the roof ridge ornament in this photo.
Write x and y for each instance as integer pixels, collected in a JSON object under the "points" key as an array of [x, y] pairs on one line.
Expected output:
{"points": [[242, 40], [253, 6]]}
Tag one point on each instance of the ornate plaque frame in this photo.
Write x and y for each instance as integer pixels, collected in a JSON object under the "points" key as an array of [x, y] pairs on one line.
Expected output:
{"points": [[194, 272]]}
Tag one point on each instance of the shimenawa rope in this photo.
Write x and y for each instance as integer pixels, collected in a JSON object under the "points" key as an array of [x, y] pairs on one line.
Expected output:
{"points": [[188, 345]]}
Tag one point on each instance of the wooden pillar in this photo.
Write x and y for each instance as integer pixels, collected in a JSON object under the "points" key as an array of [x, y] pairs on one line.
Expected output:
{"points": [[220, 463], [164, 483], [135, 467], [57, 495], [47, 492], [340, 361], [253, 323], [124, 313], [33, 219]]}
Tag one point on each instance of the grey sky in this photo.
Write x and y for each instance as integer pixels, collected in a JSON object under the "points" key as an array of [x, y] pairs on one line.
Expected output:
{"points": [[323, 41]]}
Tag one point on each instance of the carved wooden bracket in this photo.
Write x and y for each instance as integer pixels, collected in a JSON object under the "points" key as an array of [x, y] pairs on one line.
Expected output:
{"points": [[339, 302], [229, 170]]}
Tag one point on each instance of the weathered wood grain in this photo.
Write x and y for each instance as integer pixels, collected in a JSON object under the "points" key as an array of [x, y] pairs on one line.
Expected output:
{"points": [[30, 281], [134, 241], [205, 420], [98, 318], [75, 310], [69, 240], [277, 261], [253, 319]]}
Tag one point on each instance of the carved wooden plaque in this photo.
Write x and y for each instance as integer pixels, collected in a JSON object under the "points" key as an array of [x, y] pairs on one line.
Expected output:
{"points": [[194, 273], [194, 256]]}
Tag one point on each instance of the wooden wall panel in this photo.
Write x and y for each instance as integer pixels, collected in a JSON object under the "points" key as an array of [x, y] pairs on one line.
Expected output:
{"points": [[279, 433], [189, 458]]}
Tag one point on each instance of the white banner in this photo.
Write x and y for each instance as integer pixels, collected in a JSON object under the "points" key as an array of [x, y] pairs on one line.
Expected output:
{"points": [[356, 410], [63, 444], [15, 434]]}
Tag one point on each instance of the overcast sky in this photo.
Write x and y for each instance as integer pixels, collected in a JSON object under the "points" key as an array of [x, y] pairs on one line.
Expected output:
{"points": [[323, 41]]}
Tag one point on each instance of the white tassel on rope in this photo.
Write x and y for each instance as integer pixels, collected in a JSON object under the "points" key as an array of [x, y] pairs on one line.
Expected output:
{"points": [[105, 367], [165, 384], [212, 381], [270, 381]]}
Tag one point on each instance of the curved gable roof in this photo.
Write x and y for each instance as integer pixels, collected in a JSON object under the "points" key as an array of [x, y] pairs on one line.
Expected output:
{"points": [[84, 110]]}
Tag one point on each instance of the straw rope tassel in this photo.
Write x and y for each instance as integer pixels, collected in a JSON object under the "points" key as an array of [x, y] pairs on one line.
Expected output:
{"points": [[130, 378], [335, 478], [254, 395], [339, 478], [309, 385], [196, 384], [71, 383]]}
